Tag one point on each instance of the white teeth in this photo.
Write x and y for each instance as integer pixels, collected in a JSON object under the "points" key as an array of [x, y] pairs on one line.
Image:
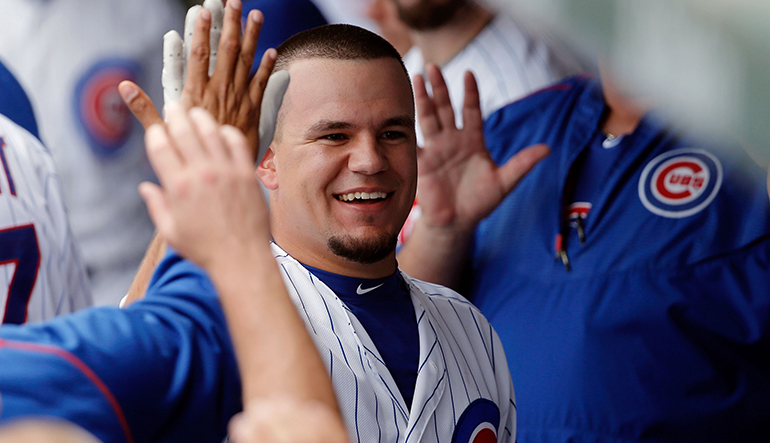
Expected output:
{"points": [[361, 196]]}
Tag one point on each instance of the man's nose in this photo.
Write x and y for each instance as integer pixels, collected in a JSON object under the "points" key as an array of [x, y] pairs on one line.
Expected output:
{"points": [[367, 157]]}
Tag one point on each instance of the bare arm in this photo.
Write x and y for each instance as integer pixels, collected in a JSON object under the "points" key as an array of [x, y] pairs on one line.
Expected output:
{"points": [[458, 183], [210, 209], [152, 257]]}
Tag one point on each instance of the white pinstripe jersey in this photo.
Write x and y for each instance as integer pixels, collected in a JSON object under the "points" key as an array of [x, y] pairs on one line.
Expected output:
{"points": [[463, 375], [41, 273], [69, 56], [508, 60]]}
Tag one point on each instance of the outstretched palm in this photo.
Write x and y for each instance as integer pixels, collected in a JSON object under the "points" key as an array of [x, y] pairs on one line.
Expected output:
{"points": [[458, 182]]}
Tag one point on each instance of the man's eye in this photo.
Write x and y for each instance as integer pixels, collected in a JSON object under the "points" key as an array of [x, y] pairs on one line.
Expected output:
{"points": [[335, 137], [393, 135]]}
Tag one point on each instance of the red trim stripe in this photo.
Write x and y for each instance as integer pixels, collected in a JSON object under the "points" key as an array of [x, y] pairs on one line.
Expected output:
{"points": [[82, 367]]}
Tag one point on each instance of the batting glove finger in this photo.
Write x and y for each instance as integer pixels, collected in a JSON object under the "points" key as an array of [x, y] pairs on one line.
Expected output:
{"points": [[172, 76], [217, 9]]}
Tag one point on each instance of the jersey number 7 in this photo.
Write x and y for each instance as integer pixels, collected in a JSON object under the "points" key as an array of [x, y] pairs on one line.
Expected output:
{"points": [[18, 246]]}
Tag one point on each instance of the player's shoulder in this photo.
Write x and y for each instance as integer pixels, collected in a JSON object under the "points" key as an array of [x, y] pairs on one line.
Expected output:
{"points": [[439, 295], [537, 104], [25, 146], [14, 102]]}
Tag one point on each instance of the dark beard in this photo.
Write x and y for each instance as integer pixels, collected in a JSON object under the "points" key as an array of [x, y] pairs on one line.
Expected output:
{"points": [[364, 252], [425, 17]]}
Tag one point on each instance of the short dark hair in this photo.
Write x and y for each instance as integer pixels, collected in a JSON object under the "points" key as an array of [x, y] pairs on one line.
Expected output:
{"points": [[336, 42]]}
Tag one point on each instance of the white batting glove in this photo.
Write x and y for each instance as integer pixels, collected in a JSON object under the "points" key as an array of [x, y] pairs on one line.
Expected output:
{"points": [[176, 52]]}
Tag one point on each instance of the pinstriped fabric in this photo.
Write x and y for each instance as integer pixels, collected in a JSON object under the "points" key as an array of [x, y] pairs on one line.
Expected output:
{"points": [[508, 61], [61, 286], [461, 360]]}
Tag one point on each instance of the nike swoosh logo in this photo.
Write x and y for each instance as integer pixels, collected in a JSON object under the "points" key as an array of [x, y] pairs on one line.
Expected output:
{"points": [[362, 291]]}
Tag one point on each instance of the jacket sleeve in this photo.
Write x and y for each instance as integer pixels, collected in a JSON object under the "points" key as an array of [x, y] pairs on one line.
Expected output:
{"points": [[161, 370]]}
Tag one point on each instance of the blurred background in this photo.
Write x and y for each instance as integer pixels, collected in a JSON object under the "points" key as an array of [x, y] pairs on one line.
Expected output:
{"points": [[705, 62]]}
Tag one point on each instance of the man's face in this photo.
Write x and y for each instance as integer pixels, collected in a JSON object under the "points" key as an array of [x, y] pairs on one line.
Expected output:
{"points": [[425, 15], [342, 169]]}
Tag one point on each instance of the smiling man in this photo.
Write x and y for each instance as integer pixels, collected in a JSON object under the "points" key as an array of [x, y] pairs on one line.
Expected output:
{"points": [[409, 361]]}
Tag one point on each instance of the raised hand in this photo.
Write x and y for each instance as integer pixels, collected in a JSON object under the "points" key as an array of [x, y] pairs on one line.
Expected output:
{"points": [[229, 92], [458, 182], [209, 200]]}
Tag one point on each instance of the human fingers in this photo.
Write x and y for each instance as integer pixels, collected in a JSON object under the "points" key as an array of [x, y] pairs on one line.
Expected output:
{"points": [[172, 76], [254, 23], [189, 29], [208, 130], [472, 119], [271, 104], [441, 96], [158, 209], [426, 109], [237, 147], [230, 43], [139, 104], [184, 135], [163, 156], [519, 165], [216, 7], [198, 59]]}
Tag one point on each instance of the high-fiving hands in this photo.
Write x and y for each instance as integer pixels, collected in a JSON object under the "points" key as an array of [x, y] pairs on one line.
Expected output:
{"points": [[218, 60], [209, 199]]}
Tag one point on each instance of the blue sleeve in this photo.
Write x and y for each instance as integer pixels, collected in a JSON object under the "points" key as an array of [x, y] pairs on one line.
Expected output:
{"points": [[162, 369], [14, 102]]}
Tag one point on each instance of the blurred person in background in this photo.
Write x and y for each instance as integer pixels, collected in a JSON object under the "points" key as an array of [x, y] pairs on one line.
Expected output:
{"points": [[389, 24], [41, 272], [508, 59], [627, 274], [70, 56]]}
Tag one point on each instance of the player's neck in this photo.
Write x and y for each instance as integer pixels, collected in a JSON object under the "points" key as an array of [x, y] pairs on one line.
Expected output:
{"points": [[623, 114], [325, 260], [439, 46]]}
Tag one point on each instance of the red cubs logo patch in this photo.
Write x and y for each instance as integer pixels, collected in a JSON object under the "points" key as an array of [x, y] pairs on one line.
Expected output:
{"points": [[104, 117], [478, 423], [680, 183]]}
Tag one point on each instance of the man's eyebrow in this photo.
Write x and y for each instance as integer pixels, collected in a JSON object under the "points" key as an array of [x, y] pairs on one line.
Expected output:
{"points": [[403, 120], [329, 125]]}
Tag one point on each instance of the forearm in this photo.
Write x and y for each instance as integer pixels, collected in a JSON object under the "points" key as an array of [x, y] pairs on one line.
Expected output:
{"points": [[275, 353], [436, 255], [152, 257]]}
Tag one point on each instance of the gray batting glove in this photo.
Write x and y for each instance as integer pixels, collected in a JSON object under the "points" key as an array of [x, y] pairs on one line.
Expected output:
{"points": [[268, 114]]}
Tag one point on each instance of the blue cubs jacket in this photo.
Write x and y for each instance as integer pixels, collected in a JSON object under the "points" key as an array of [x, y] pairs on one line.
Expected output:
{"points": [[628, 278]]}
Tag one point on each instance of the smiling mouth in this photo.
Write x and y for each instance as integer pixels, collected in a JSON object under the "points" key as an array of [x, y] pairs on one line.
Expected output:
{"points": [[362, 197]]}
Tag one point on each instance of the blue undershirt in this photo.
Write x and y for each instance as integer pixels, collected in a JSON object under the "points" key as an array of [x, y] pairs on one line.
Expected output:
{"points": [[386, 311]]}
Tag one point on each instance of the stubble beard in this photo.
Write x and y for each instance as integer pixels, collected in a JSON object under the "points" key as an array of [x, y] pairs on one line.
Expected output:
{"points": [[364, 251], [426, 17]]}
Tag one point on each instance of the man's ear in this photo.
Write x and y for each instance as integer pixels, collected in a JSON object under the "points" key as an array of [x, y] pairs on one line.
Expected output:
{"points": [[267, 171]]}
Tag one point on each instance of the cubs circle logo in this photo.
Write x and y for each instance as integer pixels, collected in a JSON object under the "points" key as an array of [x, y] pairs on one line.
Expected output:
{"points": [[104, 117], [478, 423], [680, 183]]}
